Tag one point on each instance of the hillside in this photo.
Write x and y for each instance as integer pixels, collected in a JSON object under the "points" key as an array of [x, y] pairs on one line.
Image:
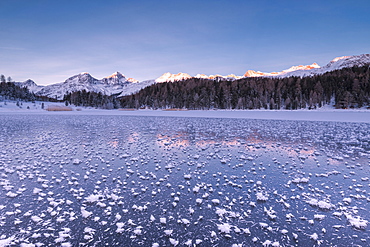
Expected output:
{"points": [[345, 88]]}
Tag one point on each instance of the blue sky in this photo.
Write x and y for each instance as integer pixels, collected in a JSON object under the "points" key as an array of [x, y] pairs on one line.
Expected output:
{"points": [[49, 41]]}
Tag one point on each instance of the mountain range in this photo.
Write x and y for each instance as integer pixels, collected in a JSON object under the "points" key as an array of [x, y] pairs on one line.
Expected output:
{"points": [[118, 84]]}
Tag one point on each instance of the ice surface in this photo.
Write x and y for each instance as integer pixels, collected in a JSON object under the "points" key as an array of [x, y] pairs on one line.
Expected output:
{"points": [[84, 180]]}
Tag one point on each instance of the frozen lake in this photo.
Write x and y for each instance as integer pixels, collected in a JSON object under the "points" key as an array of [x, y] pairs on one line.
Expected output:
{"points": [[69, 180]]}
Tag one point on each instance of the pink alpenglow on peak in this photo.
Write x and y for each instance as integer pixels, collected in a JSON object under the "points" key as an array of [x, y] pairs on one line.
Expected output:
{"points": [[132, 80], [340, 58], [122, 76], [228, 77], [213, 77], [202, 76], [168, 77], [302, 67], [300, 70], [116, 74], [252, 73]]}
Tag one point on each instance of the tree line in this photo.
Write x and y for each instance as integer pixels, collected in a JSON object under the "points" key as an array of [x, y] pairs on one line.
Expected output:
{"points": [[345, 88], [9, 90], [84, 98]]}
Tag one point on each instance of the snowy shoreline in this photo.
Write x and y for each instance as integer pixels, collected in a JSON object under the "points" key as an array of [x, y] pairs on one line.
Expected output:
{"points": [[322, 114]]}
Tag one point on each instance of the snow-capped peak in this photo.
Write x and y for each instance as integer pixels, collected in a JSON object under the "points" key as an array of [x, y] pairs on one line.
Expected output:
{"points": [[222, 77], [132, 80], [115, 79], [114, 84], [82, 78], [115, 74], [252, 73], [29, 83], [118, 78], [202, 76], [339, 58], [301, 67], [168, 77], [347, 61], [315, 69]]}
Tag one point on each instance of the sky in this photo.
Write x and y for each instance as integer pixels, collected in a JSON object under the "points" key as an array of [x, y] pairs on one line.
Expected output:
{"points": [[49, 41]]}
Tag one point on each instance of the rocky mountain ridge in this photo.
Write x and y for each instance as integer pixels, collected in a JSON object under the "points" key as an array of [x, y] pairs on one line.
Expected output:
{"points": [[119, 84]]}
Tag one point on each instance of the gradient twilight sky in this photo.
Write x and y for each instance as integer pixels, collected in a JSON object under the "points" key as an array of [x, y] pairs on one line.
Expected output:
{"points": [[50, 40]]}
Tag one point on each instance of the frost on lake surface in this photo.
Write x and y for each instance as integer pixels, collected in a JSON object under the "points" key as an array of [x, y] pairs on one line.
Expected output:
{"points": [[166, 181]]}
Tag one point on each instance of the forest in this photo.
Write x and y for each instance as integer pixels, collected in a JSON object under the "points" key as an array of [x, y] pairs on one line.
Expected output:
{"points": [[345, 88], [99, 100], [9, 90]]}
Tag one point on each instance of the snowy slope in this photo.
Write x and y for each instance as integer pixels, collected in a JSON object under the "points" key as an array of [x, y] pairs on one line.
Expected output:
{"points": [[168, 77], [315, 69], [114, 84], [135, 87], [219, 77], [118, 79], [30, 84]]}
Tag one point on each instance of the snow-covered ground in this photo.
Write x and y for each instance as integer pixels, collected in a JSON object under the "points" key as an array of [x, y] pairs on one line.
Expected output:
{"points": [[326, 113]]}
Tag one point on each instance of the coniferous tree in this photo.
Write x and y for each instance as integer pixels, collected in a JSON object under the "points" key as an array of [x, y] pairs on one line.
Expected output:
{"points": [[2, 79]]}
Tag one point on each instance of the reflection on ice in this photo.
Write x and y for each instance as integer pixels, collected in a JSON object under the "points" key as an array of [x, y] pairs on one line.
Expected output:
{"points": [[156, 181]]}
